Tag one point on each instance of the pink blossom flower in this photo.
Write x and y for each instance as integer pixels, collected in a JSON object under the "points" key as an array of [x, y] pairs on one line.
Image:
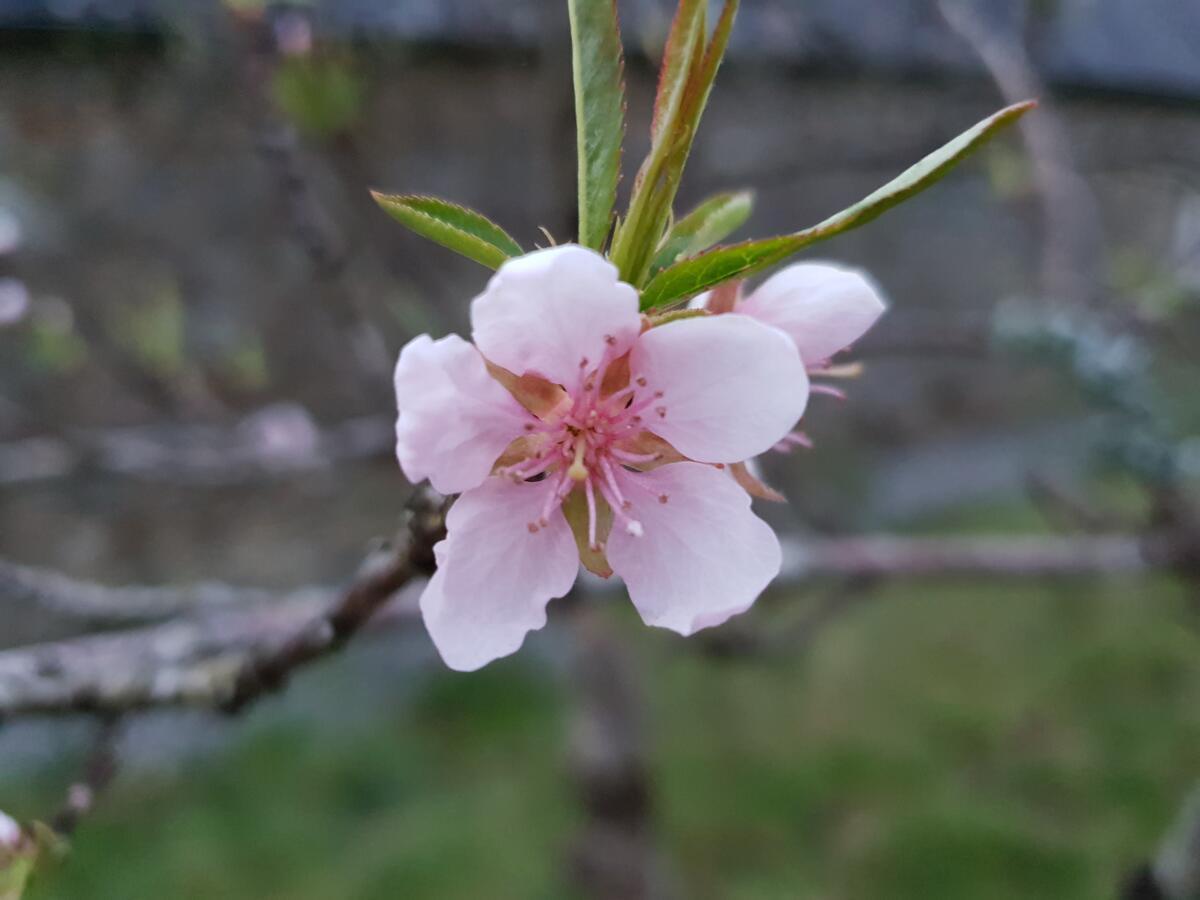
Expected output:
{"points": [[573, 431], [11, 835], [823, 308]]}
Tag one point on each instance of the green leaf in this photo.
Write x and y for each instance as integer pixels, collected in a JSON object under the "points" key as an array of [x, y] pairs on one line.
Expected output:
{"points": [[598, 63], [679, 54], [454, 227], [692, 276], [709, 223], [689, 70]]}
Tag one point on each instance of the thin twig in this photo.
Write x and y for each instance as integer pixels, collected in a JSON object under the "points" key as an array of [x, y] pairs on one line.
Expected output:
{"points": [[98, 772], [272, 443]]}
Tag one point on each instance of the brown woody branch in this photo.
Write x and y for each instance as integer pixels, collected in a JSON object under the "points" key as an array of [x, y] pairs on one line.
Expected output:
{"points": [[226, 660]]}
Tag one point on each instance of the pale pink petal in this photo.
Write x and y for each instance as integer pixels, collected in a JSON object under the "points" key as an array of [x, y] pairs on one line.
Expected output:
{"points": [[550, 311], [732, 387], [455, 419], [702, 556], [10, 833], [495, 576], [824, 308]]}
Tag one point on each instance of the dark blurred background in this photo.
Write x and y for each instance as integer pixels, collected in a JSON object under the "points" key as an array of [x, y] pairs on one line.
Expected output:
{"points": [[200, 306]]}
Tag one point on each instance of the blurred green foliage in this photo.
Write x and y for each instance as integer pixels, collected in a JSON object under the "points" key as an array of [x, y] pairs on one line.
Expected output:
{"points": [[957, 742], [322, 96]]}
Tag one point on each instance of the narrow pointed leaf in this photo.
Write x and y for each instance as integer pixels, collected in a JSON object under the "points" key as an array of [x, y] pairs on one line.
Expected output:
{"points": [[687, 30], [708, 224], [684, 92], [692, 276], [454, 227], [598, 64]]}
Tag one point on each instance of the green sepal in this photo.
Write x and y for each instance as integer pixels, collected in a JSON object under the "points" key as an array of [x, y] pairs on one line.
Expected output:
{"points": [[599, 67], [708, 224], [692, 276], [575, 511], [454, 227]]}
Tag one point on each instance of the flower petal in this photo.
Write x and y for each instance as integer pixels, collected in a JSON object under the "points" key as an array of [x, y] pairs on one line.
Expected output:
{"points": [[702, 557], [732, 387], [548, 311], [495, 576], [455, 419], [824, 308]]}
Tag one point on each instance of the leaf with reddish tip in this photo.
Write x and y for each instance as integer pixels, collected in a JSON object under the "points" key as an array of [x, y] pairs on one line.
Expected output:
{"points": [[689, 69], [687, 34], [688, 278], [599, 69], [454, 227]]}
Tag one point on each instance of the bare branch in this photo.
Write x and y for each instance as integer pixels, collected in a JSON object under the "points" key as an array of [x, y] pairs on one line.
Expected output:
{"points": [[226, 660], [230, 658], [272, 443], [1035, 556], [95, 606]]}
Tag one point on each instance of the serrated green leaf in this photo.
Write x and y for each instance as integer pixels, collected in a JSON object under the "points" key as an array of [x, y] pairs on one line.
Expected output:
{"points": [[598, 64], [692, 276], [454, 227], [689, 70], [708, 224]]}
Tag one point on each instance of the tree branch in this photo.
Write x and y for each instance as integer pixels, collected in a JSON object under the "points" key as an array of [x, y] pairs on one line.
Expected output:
{"points": [[274, 442], [224, 661], [95, 606], [1036, 556]]}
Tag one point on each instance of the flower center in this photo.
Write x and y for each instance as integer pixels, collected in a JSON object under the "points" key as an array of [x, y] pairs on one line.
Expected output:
{"points": [[590, 445]]}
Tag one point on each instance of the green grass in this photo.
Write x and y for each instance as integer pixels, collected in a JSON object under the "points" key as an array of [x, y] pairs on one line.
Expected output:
{"points": [[953, 742]]}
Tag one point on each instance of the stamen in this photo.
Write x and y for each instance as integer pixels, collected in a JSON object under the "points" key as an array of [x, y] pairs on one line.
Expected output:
{"points": [[645, 402], [619, 505], [590, 492], [795, 439], [634, 458], [828, 390], [610, 479], [554, 501]]}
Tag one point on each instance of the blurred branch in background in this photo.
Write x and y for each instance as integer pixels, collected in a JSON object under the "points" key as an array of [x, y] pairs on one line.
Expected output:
{"points": [[226, 658], [614, 856], [1072, 249], [99, 769], [272, 442]]}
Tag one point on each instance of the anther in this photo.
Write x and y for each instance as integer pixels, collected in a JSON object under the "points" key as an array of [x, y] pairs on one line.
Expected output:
{"points": [[663, 498], [662, 411], [641, 381]]}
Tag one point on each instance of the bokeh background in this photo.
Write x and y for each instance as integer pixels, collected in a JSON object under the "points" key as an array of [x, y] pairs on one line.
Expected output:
{"points": [[199, 310]]}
